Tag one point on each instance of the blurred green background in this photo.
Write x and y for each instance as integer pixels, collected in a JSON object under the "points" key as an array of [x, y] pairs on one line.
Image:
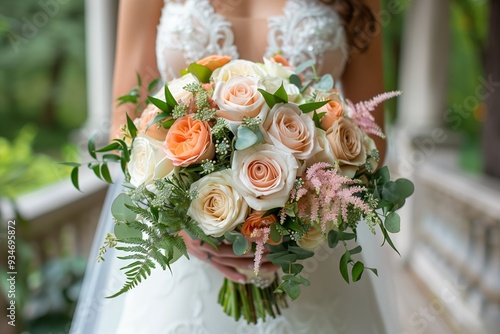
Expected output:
{"points": [[43, 102]]}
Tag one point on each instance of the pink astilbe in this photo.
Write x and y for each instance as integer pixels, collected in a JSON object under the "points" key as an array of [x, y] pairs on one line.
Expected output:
{"points": [[362, 113], [261, 235], [329, 195]]}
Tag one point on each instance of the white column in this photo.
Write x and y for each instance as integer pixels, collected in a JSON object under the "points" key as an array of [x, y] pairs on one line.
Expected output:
{"points": [[424, 66], [100, 30]]}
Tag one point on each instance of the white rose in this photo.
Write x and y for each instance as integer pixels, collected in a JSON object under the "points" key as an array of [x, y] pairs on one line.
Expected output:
{"points": [[176, 88], [218, 207], [312, 240], [271, 85], [265, 175], [275, 69], [148, 161], [290, 130], [239, 97], [237, 67]]}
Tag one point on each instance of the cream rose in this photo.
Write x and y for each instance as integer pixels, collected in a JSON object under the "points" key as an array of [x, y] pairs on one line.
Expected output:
{"points": [[347, 143], [325, 153], [176, 88], [277, 70], [218, 206], [147, 162], [312, 240], [290, 130], [265, 175], [237, 67], [239, 97]]}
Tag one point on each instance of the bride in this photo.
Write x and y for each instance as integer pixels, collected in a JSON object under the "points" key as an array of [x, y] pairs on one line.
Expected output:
{"points": [[339, 36]]}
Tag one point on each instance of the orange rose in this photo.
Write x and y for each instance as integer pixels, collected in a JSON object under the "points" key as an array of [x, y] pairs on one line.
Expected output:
{"points": [[281, 60], [154, 131], [255, 220], [188, 142], [213, 62], [333, 108]]}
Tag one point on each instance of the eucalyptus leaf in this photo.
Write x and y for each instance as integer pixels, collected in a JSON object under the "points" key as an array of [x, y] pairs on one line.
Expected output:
{"points": [[240, 245], [302, 67], [124, 231], [390, 192], [383, 174], [292, 289], [392, 222], [295, 80], [405, 187], [333, 238], [120, 212], [325, 83], [245, 138]]}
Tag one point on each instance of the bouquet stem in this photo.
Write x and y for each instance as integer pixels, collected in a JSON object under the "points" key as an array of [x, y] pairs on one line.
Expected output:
{"points": [[251, 301]]}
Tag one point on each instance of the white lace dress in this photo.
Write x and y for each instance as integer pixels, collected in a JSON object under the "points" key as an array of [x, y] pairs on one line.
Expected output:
{"points": [[186, 302]]}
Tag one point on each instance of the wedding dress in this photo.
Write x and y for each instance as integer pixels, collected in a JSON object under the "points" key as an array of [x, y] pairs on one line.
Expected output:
{"points": [[186, 301]]}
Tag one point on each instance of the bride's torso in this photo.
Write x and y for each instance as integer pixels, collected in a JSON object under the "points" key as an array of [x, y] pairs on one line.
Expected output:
{"points": [[300, 30]]}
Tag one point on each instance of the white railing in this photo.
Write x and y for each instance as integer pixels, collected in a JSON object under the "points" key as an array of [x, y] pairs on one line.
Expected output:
{"points": [[456, 242]]}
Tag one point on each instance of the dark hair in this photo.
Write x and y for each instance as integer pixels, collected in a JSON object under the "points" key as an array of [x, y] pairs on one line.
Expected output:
{"points": [[359, 22]]}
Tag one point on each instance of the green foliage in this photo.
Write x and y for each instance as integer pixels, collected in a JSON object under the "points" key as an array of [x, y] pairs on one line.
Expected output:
{"points": [[22, 170]]}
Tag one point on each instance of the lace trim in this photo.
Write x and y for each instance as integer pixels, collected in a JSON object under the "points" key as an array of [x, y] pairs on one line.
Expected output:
{"points": [[193, 27], [305, 31]]}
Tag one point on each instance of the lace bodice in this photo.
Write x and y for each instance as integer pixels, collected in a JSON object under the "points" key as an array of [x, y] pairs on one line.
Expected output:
{"points": [[191, 29]]}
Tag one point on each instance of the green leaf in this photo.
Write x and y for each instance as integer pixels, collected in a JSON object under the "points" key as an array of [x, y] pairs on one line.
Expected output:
{"points": [[159, 104], [373, 270], [74, 178], [91, 147], [390, 192], [356, 250], [344, 260], [119, 210], [281, 259], [159, 118], [139, 80], [405, 187], [295, 80], [201, 72], [170, 100], [301, 252], [168, 124], [346, 236], [316, 119], [333, 238], [124, 231], [71, 164], [268, 97], [280, 95], [383, 174], [388, 239], [308, 107], [110, 147], [296, 268], [292, 289], [111, 158], [131, 127], [392, 222], [357, 271], [245, 138], [152, 85], [105, 173], [275, 235], [240, 245]]}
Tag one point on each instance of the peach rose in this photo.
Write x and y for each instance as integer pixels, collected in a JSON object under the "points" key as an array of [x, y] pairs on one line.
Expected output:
{"points": [[255, 220], [290, 130], [239, 97], [265, 175], [347, 143], [188, 142], [213, 62], [154, 131]]}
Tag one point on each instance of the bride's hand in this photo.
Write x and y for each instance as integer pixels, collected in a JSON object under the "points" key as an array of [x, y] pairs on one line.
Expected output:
{"points": [[224, 259]]}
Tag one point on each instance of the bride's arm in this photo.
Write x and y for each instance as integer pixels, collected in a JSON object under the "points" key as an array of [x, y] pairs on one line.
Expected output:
{"points": [[135, 53], [363, 76]]}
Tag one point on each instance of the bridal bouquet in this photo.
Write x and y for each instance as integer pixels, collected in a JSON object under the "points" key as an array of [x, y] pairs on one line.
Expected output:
{"points": [[267, 157]]}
